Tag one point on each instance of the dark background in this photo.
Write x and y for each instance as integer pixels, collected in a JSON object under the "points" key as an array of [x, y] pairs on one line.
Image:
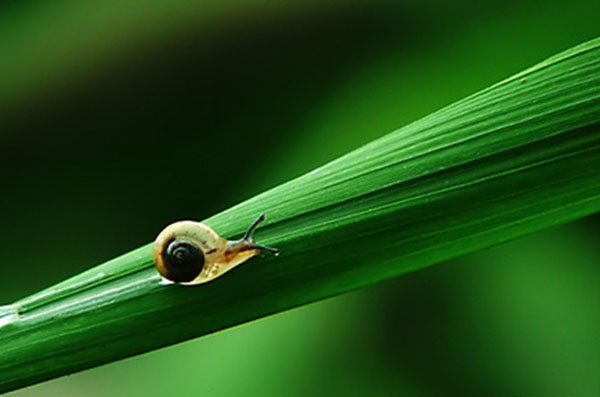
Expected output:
{"points": [[119, 117]]}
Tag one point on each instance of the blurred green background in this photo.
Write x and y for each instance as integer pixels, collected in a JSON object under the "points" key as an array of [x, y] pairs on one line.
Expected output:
{"points": [[119, 117]]}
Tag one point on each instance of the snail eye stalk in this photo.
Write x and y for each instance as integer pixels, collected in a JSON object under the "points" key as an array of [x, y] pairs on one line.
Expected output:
{"points": [[250, 231], [272, 250], [249, 240]]}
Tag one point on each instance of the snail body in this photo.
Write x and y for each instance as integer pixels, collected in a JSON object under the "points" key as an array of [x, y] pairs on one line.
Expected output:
{"points": [[192, 253]]}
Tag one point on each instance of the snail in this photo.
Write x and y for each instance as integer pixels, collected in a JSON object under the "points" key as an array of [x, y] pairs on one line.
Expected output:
{"points": [[192, 253]]}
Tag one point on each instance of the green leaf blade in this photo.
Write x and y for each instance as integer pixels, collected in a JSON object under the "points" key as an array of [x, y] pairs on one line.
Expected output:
{"points": [[517, 157]]}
